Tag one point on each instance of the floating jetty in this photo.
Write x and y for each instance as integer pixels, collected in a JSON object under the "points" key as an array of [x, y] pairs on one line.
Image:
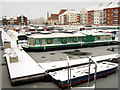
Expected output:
{"points": [[58, 65], [21, 67]]}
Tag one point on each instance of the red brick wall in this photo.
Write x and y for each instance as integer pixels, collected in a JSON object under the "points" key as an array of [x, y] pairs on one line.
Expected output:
{"points": [[17, 20], [90, 17], [110, 16], [78, 18], [65, 19], [118, 15], [25, 20]]}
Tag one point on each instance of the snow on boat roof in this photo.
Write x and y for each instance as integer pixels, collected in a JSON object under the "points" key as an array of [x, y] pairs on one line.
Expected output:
{"points": [[52, 35], [94, 33], [80, 71], [32, 28], [40, 28], [81, 33], [106, 26]]}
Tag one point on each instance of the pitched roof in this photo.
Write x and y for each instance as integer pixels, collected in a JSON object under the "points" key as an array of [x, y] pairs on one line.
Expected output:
{"points": [[103, 6], [53, 17], [112, 5], [62, 11]]}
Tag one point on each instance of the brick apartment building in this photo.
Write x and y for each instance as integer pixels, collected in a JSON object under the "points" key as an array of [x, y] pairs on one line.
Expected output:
{"points": [[69, 17], [19, 20], [83, 16], [53, 19], [102, 14], [64, 17], [112, 14], [90, 17]]}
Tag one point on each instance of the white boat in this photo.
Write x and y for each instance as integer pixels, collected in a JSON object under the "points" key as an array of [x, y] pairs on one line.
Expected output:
{"points": [[79, 74]]}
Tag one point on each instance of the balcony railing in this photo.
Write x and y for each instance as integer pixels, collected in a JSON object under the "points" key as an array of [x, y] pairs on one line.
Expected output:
{"points": [[115, 11], [115, 23], [115, 16], [115, 19]]}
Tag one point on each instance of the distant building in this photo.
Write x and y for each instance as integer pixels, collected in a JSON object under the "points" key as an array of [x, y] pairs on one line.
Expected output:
{"points": [[103, 14], [83, 16], [37, 21], [19, 20], [53, 19], [112, 14], [69, 17]]}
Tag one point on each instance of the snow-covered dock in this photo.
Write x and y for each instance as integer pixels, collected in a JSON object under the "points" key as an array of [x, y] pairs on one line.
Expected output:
{"points": [[52, 66], [25, 69]]}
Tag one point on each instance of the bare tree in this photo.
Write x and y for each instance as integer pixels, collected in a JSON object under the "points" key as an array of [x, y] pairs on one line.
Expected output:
{"points": [[39, 21]]}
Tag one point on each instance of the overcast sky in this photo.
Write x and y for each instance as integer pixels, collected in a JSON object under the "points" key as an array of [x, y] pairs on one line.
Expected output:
{"points": [[39, 8]]}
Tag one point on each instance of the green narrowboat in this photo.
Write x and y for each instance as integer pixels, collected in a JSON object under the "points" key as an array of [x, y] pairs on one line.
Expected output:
{"points": [[67, 40]]}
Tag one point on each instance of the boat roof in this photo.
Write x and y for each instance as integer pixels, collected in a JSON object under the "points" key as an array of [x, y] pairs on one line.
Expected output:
{"points": [[93, 33], [82, 70], [53, 35]]}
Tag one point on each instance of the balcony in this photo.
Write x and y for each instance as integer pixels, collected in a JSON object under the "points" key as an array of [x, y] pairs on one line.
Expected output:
{"points": [[116, 11], [115, 19], [101, 16], [115, 15], [115, 23]]}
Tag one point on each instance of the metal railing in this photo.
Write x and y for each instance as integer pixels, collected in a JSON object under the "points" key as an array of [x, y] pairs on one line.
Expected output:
{"points": [[90, 59], [88, 85]]}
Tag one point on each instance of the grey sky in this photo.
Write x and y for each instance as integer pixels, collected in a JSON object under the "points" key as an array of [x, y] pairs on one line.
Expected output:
{"points": [[37, 9]]}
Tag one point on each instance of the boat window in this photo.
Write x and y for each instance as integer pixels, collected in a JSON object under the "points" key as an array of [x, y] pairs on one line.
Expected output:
{"points": [[86, 72], [112, 64], [73, 75], [22, 37], [54, 66]]}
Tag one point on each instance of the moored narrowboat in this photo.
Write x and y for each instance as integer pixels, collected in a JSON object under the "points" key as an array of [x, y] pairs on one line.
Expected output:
{"points": [[67, 40]]}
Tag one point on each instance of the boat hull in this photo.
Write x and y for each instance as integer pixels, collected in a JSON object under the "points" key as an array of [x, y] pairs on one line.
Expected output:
{"points": [[67, 46], [75, 81]]}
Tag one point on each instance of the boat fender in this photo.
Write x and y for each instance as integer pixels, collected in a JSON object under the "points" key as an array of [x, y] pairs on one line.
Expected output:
{"points": [[44, 48]]}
